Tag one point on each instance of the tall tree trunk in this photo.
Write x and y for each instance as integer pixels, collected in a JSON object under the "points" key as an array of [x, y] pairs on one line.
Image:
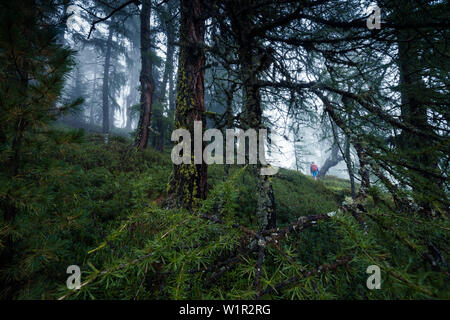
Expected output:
{"points": [[167, 76], [132, 96], [146, 78], [250, 59], [363, 169], [348, 162], [94, 87], [265, 208], [172, 87], [416, 150], [129, 102], [79, 115], [62, 32], [228, 119], [105, 91], [168, 73], [172, 95], [332, 160], [10, 245], [189, 181]]}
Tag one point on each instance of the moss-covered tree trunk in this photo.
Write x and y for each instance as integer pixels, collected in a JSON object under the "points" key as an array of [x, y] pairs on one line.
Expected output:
{"points": [[189, 181], [265, 208], [252, 61], [145, 78]]}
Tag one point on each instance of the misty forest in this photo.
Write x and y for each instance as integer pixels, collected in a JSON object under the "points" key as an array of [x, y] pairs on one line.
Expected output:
{"points": [[92, 93]]}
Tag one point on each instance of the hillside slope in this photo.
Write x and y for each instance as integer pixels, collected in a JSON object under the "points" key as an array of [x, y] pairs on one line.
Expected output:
{"points": [[102, 207]]}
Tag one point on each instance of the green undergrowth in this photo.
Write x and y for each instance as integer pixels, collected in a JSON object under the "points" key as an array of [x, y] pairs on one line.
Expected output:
{"points": [[174, 254], [100, 206]]}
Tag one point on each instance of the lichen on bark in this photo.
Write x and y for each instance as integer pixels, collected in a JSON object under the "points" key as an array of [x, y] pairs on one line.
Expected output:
{"points": [[188, 182]]}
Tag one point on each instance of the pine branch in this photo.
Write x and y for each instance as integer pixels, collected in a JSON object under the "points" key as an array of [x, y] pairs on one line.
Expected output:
{"points": [[305, 274]]}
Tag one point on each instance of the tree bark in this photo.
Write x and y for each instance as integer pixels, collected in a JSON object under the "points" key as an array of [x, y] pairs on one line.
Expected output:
{"points": [[188, 183], [146, 78]]}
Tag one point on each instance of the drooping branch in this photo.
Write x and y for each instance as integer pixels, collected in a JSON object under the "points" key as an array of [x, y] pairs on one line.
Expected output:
{"points": [[136, 2], [305, 274]]}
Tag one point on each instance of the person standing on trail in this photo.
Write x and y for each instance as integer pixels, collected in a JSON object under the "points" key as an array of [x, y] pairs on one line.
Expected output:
{"points": [[314, 170]]}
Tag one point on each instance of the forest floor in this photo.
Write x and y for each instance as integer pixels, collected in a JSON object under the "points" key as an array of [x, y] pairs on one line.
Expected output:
{"points": [[102, 207]]}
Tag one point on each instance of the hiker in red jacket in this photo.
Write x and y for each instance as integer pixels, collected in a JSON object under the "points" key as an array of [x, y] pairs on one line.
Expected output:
{"points": [[314, 170]]}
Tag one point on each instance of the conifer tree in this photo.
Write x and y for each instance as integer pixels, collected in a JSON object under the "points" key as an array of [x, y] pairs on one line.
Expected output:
{"points": [[188, 182], [145, 78], [33, 67]]}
